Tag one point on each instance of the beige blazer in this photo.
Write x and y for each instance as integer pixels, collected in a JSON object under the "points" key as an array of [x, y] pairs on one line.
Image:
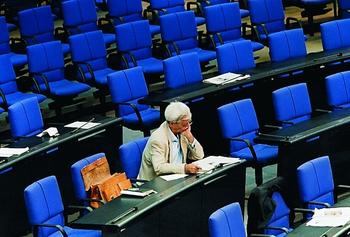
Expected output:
{"points": [[156, 155]]}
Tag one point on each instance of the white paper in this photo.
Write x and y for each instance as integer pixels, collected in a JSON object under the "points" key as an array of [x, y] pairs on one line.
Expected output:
{"points": [[138, 193], [51, 131], [82, 125], [170, 177], [212, 162], [330, 217], [7, 152], [226, 78]]}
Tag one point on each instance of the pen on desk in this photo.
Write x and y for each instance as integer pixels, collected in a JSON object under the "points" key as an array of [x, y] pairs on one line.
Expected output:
{"points": [[78, 128]]}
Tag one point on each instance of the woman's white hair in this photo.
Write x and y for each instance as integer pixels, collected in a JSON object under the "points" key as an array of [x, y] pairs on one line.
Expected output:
{"points": [[176, 111]]}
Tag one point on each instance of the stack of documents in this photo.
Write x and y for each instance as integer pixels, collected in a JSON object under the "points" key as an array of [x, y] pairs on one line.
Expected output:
{"points": [[330, 217], [226, 78], [212, 162], [138, 192], [7, 152], [82, 125]]}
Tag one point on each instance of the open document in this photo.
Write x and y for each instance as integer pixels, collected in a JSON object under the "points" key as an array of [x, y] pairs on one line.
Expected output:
{"points": [[82, 125], [212, 162], [226, 78], [330, 217], [7, 152]]}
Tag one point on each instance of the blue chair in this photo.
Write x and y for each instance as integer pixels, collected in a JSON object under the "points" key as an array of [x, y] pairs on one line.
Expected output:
{"points": [[89, 55], [315, 182], [292, 104], [161, 7], [45, 210], [224, 25], [8, 86], [227, 222], [25, 118], [239, 125], [338, 90], [335, 34], [344, 8], [134, 42], [78, 183], [235, 57], [124, 11], [126, 88], [18, 60], [179, 34], [46, 66], [37, 26], [205, 3], [130, 155], [268, 16], [80, 16], [182, 70]]}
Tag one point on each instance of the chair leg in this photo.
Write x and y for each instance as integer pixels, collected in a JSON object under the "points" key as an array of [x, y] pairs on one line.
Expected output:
{"points": [[258, 175]]}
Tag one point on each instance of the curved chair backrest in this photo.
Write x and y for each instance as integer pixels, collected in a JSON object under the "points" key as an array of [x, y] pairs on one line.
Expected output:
{"points": [[292, 104], [44, 204], [25, 118], [4, 37], [235, 57], [315, 181], [227, 222], [338, 89], [182, 70], [286, 45], [130, 155], [335, 34], [344, 8], [77, 179], [8, 83], [167, 7], [123, 11]]}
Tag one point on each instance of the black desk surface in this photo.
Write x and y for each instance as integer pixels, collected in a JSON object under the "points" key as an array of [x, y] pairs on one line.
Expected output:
{"points": [[37, 145], [306, 129], [309, 231], [262, 71], [105, 216]]}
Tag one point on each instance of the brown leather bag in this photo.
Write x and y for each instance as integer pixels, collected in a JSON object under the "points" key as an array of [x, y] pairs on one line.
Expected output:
{"points": [[101, 183]]}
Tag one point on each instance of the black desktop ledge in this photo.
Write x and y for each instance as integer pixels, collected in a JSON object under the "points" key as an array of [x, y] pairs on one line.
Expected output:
{"points": [[306, 129], [46, 144], [309, 231], [108, 216], [262, 71]]}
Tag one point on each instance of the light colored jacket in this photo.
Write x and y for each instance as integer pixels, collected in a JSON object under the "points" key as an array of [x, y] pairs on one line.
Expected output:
{"points": [[157, 153]]}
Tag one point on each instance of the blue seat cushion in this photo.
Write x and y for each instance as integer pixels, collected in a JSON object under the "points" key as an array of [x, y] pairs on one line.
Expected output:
{"points": [[100, 75], [151, 65], [67, 88], [150, 117], [65, 48], [109, 38], [264, 153], [18, 96], [155, 29], [200, 20], [244, 13], [203, 55], [77, 233], [18, 59]]}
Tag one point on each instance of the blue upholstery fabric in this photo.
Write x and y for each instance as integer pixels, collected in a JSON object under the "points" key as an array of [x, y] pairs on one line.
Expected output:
{"points": [[44, 206], [286, 45], [162, 7], [227, 222], [77, 179], [16, 59], [37, 26], [238, 119], [135, 39], [90, 48], [235, 57], [315, 181], [335, 34], [123, 11], [130, 155], [80, 16], [269, 13], [25, 118], [129, 86], [182, 70], [8, 84], [338, 89], [224, 23], [11, 27], [292, 104], [205, 3], [51, 65], [344, 8], [180, 29]]}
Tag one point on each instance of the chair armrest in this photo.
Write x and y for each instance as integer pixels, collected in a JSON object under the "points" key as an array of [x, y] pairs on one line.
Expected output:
{"points": [[283, 229], [264, 29], [3, 98], [44, 78], [254, 32], [80, 208], [197, 5], [61, 34], [289, 22], [327, 205], [58, 227], [136, 110], [81, 72], [247, 142], [272, 127]]}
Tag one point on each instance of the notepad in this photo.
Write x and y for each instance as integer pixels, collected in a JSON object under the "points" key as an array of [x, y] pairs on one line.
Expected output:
{"points": [[171, 177], [226, 78], [212, 162], [139, 193]]}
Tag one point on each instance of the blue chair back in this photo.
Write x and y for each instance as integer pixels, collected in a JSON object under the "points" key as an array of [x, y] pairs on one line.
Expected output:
{"points": [[344, 8], [130, 155], [235, 57], [123, 11], [182, 70], [25, 118], [286, 45], [335, 34], [8, 83], [167, 7], [315, 181], [4, 37], [338, 89], [292, 104], [227, 222]]}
